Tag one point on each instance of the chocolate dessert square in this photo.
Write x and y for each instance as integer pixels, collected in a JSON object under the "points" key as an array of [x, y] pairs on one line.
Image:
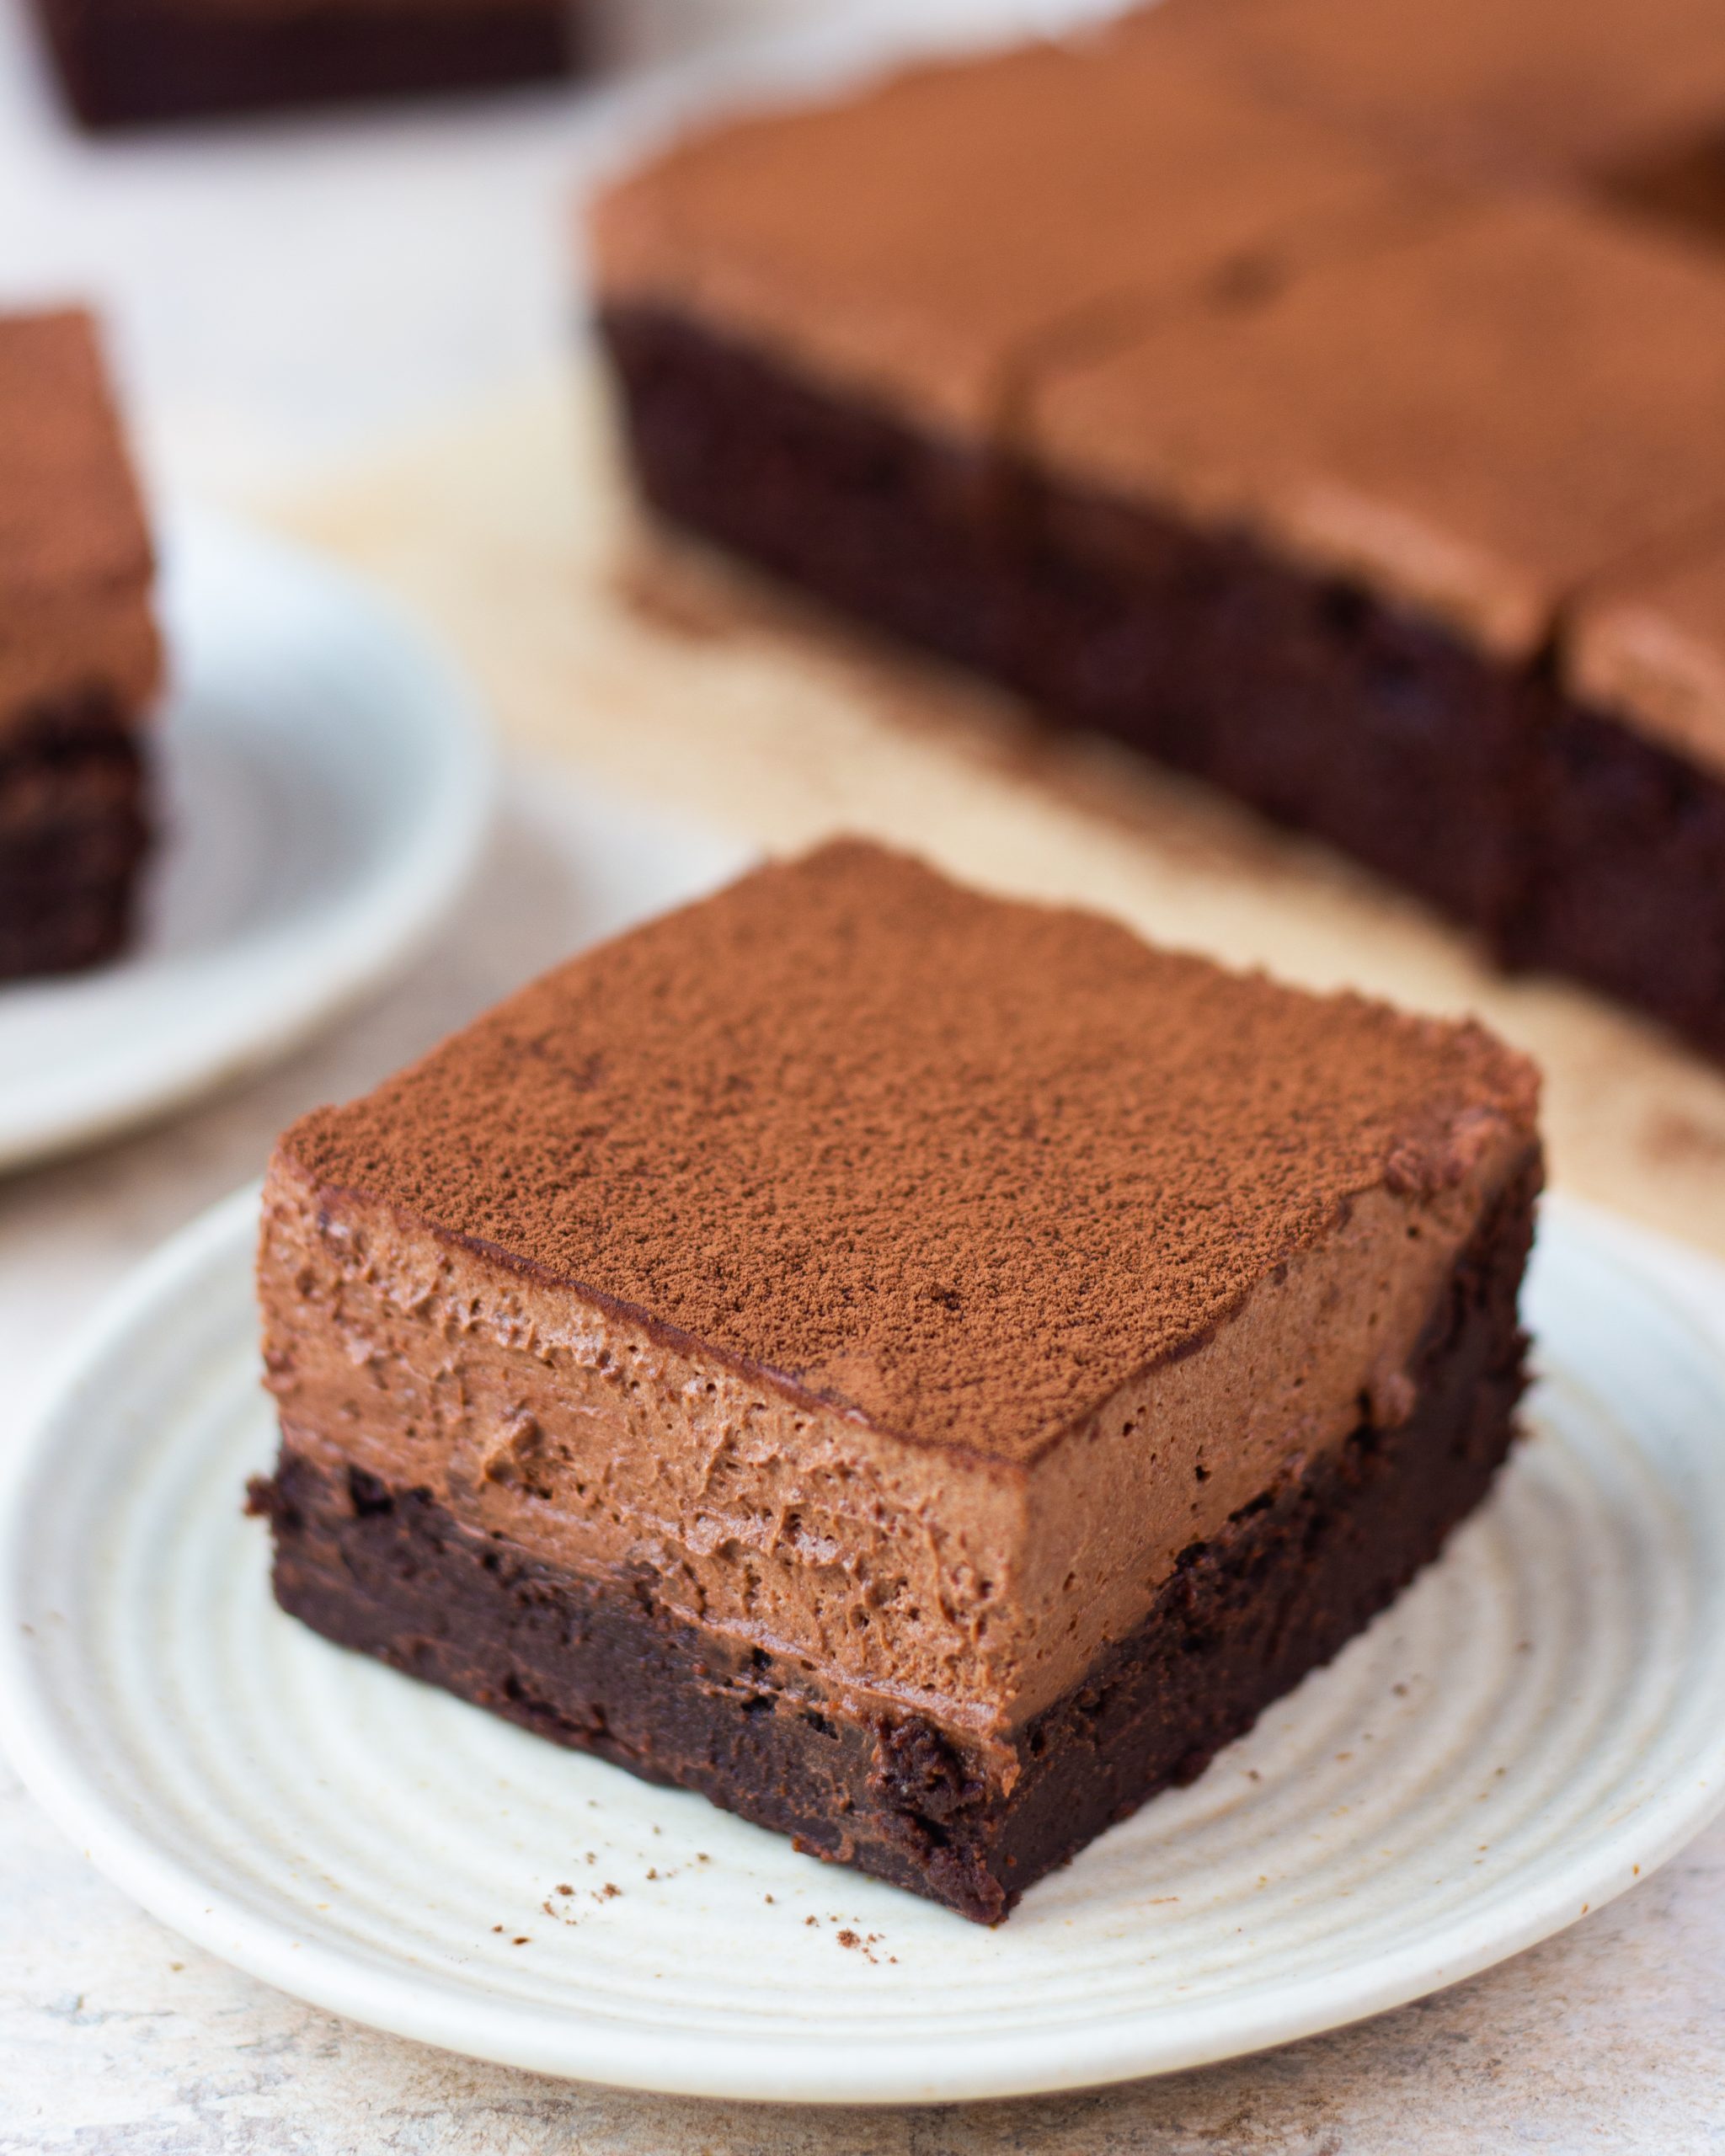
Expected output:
{"points": [[822, 318], [1541, 88], [1628, 835], [923, 1370], [125, 62], [79, 658]]}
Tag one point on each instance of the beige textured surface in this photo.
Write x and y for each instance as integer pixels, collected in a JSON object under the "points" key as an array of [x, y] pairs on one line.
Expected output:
{"points": [[660, 667]]}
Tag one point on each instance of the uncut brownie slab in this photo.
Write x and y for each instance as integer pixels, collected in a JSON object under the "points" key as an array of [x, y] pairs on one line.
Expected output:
{"points": [[126, 62], [923, 1370], [79, 656]]}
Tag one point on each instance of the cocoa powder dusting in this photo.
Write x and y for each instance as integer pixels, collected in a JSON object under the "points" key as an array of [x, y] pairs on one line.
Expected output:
{"points": [[958, 1164]]}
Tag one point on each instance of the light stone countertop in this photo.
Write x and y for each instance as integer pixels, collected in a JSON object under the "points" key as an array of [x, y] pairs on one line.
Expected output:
{"points": [[413, 270]]}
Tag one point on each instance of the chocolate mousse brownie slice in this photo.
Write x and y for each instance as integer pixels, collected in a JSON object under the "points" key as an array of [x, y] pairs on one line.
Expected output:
{"points": [[923, 1370], [124, 62], [79, 657], [821, 319]]}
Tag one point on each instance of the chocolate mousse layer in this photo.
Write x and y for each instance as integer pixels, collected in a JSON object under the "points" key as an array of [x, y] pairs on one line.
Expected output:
{"points": [[860, 1304], [79, 655]]}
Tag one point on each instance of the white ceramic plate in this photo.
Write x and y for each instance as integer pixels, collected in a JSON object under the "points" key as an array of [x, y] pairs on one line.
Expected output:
{"points": [[326, 786], [1540, 1718]]}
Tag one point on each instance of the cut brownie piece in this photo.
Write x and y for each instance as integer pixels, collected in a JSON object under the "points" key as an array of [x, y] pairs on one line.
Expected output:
{"points": [[923, 1370], [123, 62], [821, 317], [1625, 885], [79, 658]]}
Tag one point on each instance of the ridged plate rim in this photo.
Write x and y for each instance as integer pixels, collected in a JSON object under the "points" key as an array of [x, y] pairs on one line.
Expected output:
{"points": [[804, 2060]]}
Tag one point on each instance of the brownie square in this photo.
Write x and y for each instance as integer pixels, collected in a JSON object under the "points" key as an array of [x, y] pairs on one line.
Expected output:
{"points": [[79, 657], [921, 1369], [1628, 834]]}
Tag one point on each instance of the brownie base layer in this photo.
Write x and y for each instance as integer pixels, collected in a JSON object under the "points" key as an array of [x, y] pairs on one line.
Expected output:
{"points": [[73, 834], [600, 1665], [1477, 786], [130, 62], [843, 499]]}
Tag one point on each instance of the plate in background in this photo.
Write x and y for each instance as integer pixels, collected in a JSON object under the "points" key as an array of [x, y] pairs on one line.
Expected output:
{"points": [[1538, 1720], [325, 786]]}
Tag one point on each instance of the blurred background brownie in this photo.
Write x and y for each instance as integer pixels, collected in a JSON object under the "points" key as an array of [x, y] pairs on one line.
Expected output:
{"points": [[923, 1370], [1277, 421], [79, 657], [822, 319], [1324, 550], [124, 63], [1553, 89]]}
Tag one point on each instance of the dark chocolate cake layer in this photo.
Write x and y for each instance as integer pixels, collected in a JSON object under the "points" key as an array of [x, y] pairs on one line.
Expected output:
{"points": [[1565, 839], [128, 62], [953, 1165], [598, 1664], [73, 829]]}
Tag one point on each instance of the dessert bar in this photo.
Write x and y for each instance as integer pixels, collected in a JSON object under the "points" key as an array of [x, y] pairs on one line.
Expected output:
{"points": [[1557, 90], [79, 658], [923, 1370]]}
